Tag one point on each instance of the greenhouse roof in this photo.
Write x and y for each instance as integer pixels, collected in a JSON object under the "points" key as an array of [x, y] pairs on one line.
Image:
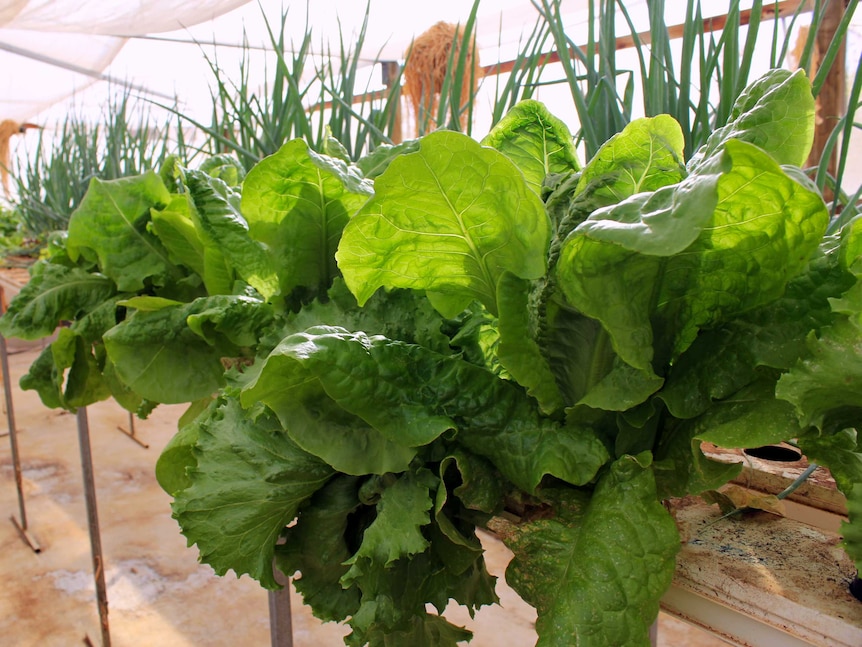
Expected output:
{"points": [[51, 50]]}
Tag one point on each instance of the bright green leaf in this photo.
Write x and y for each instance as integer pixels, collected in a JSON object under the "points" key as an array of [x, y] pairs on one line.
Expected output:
{"points": [[775, 113], [451, 219], [297, 202], [110, 226], [536, 141]]}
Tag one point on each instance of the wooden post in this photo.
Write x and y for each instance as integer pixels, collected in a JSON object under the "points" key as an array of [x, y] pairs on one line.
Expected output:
{"points": [[390, 71], [831, 100]]}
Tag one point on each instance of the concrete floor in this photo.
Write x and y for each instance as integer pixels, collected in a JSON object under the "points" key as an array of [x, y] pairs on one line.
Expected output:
{"points": [[157, 592]]}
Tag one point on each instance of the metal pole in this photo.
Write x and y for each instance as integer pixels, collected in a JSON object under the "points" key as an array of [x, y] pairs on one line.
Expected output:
{"points": [[20, 523], [93, 523], [280, 621], [130, 432]]}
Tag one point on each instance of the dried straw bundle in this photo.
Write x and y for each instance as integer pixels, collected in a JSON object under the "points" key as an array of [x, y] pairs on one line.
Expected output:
{"points": [[426, 66]]}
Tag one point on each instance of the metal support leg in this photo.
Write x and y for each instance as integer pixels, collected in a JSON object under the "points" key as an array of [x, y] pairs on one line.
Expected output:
{"points": [[93, 523], [130, 432], [280, 621], [21, 522]]}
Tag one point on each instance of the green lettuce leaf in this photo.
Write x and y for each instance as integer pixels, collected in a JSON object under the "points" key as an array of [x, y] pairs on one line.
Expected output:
{"points": [[145, 347], [723, 360], [364, 404], [841, 453], [181, 238], [110, 226], [226, 234], [645, 156], [536, 141], [248, 484], [745, 226], [378, 160], [403, 509], [178, 456], [751, 417], [318, 546], [826, 387], [480, 486], [597, 570], [449, 219], [518, 351], [55, 293], [74, 371], [67, 374], [297, 202], [427, 630], [775, 113], [226, 168]]}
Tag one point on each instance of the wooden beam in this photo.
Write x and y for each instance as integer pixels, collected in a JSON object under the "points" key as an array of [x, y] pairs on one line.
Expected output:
{"points": [[716, 23]]}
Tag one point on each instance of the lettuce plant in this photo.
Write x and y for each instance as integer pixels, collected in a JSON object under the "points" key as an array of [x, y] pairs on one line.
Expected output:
{"points": [[381, 358]]}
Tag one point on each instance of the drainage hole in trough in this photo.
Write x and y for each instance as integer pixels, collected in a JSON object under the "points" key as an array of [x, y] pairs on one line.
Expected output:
{"points": [[774, 453], [856, 588]]}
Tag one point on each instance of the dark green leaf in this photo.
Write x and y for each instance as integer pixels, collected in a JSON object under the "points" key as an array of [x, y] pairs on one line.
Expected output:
{"points": [[55, 293], [249, 483], [596, 572]]}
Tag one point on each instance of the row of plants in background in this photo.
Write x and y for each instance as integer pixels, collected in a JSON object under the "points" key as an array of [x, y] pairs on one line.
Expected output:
{"points": [[380, 357], [52, 178], [306, 93]]}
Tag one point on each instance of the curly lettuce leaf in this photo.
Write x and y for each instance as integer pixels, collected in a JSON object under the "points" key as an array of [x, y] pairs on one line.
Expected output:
{"points": [[110, 226], [249, 482], [297, 202], [403, 510], [394, 602], [826, 386], [364, 404], [841, 453], [535, 140], [55, 293], [448, 219], [318, 546], [595, 572], [655, 271]]}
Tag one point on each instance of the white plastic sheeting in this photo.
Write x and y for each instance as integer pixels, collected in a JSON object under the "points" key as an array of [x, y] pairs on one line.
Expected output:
{"points": [[111, 17], [171, 64], [50, 49]]}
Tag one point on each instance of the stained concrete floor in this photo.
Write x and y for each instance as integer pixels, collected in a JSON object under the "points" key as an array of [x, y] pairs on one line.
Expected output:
{"points": [[158, 594]]}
